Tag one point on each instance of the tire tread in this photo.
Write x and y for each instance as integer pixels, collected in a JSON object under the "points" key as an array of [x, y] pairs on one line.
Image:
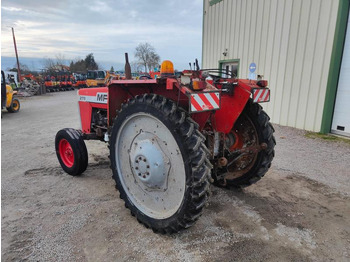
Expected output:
{"points": [[197, 182]]}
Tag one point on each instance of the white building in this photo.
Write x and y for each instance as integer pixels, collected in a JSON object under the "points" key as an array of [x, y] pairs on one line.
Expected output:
{"points": [[300, 48]]}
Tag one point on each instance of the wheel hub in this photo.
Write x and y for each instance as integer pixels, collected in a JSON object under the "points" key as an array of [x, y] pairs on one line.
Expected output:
{"points": [[66, 153], [245, 136], [142, 167], [150, 165]]}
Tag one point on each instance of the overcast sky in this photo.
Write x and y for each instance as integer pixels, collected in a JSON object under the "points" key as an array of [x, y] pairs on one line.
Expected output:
{"points": [[105, 28]]}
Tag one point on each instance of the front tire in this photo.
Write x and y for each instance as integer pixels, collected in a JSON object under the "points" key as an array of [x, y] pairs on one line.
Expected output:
{"points": [[159, 163], [15, 106], [71, 151]]}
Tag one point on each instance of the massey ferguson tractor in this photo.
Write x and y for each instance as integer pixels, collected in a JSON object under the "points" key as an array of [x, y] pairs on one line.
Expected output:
{"points": [[170, 137]]}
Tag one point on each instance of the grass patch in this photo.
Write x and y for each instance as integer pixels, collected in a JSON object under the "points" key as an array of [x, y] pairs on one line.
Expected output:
{"points": [[327, 137]]}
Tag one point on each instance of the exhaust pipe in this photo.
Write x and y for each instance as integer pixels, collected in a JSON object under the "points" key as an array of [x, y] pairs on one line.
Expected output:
{"points": [[127, 67]]}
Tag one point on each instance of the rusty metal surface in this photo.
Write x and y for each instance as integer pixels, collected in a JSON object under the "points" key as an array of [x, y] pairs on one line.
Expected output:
{"points": [[127, 67], [246, 146]]}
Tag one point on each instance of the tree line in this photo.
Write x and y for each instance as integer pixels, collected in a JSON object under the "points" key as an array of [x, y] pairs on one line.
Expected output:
{"points": [[146, 59], [79, 65]]}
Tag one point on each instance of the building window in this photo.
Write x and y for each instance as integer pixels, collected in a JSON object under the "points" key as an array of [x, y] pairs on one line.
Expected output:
{"points": [[213, 2], [230, 68]]}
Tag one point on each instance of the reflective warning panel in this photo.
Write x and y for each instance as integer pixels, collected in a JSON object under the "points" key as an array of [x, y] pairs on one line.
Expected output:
{"points": [[205, 101], [261, 95]]}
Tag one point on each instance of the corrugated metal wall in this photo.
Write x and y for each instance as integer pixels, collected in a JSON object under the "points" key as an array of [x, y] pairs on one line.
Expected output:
{"points": [[291, 43]]}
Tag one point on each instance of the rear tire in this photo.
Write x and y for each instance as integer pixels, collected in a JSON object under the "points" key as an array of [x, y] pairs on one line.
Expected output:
{"points": [[71, 151], [159, 163], [15, 106], [255, 116]]}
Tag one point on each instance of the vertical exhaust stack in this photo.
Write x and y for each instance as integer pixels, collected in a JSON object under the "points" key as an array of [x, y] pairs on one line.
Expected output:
{"points": [[127, 67]]}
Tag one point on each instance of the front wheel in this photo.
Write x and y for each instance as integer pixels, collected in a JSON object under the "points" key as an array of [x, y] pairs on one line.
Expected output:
{"points": [[15, 106], [71, 151], [159, 163]]}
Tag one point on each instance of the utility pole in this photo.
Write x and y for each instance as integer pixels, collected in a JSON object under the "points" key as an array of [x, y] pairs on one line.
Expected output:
{"points": [[18, 68]]}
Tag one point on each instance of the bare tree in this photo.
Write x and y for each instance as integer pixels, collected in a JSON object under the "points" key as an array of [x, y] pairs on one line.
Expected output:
{"points": [[48, 63], [153, 62], [146, 55], [60, 59], [24, 68], [135, 66]]}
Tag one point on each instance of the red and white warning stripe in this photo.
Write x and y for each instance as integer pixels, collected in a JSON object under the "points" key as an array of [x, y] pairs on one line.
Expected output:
{"points": [[205, 101], [261, 95]]}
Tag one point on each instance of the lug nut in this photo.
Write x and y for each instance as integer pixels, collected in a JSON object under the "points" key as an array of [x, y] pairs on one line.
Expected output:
{"points": [[222, 161]]}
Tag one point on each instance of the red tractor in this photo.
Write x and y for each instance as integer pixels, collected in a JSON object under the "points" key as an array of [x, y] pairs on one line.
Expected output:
{"points": [[170, 137]]}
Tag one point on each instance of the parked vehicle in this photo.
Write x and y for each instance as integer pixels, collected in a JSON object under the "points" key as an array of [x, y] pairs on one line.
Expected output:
{"points": [[170, 137], [8, 96]]}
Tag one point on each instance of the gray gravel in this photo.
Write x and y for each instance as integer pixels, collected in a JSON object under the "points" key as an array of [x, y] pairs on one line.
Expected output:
{"points": [[325, 161], [298, 212]]}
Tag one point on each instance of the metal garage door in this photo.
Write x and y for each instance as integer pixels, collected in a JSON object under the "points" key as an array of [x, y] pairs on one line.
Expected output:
{"points": [[341, 116]]}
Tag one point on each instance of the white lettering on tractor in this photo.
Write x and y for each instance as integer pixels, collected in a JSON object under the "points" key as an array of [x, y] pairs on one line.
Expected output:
{"points": [[100, 98]]}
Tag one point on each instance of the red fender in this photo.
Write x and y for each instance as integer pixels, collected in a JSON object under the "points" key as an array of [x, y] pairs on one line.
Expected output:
{"points": [[230, 109]]}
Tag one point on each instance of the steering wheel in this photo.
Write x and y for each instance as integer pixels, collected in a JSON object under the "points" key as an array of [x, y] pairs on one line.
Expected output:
{"points": [[145, 77]]}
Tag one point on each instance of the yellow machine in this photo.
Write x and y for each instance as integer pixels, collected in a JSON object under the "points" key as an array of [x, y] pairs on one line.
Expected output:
{"points": [[95, 78], [8, 98], [110, 76], [98, 78]]}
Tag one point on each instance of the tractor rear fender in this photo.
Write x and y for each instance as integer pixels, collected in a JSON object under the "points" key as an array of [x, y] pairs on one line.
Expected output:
{"points": [[223, 119], [120, 91], [231, 106]]}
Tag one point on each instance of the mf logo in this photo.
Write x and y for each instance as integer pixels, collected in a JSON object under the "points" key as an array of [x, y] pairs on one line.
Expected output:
{"points": [[101, 97]]}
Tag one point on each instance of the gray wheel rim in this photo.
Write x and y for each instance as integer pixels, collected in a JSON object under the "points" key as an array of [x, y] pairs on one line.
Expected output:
{"points": [[150, 166]]}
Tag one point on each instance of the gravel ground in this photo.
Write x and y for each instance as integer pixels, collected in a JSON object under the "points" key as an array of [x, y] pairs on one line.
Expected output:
{"points": [[299, 212]]}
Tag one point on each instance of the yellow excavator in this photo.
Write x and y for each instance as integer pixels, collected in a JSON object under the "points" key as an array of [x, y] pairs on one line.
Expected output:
{"points": [[98, 78], [8, 96]]}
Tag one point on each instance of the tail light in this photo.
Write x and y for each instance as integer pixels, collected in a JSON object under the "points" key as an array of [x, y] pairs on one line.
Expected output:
{"points": [[197, 84]]}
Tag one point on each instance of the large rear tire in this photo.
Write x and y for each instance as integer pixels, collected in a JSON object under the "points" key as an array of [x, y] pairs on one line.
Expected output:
{"points": [[253, 127], [159, 163], [71, 151]]}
